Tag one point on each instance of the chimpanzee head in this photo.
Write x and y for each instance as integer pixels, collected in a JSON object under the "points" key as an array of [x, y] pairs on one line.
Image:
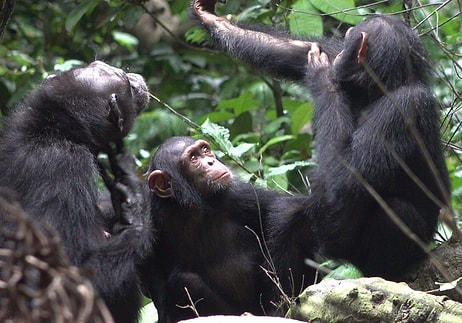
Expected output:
{"points": [[187, 171], [92, 105], [381, 49]]}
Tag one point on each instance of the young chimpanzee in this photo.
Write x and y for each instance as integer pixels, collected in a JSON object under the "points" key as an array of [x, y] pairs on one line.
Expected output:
{"points": [[210, 249], [48, 150], [377, 141]]}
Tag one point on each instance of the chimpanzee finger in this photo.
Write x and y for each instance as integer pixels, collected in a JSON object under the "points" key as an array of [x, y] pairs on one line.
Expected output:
{"points": [[313, 53], [206, 5], [316, 58], [121, 161], [115, 115], [108, 181], [323, 59]]}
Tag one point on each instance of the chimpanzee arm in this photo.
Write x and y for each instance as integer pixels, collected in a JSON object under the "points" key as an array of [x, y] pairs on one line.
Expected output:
{"points": [[276, 53], [131, 239]]}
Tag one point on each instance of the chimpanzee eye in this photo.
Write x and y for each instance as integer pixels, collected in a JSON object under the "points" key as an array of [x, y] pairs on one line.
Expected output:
{"points": [[193, 158], [205, 149]]}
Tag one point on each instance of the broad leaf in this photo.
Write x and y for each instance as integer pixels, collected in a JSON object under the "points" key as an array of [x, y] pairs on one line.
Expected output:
{"points": [[305, 19]]}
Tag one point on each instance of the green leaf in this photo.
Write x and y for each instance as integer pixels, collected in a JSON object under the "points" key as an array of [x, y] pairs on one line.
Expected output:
{"points": [[345, 271], [248, 13], [221, 137], [196, 35], [272, 127], [275, 141], [274, 171], [125, 39], [305, 19], [148, 314], [343, 10], [243, 103], [243, 123], [219, 134], [301, 116], [77, 13], [240, 150], [67, 65], [21, 58], [277, 182]]}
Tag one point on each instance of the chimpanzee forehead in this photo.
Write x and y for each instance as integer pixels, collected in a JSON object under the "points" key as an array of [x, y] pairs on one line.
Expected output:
{"points": [[179, 146], [176, 145], [197, 145]]}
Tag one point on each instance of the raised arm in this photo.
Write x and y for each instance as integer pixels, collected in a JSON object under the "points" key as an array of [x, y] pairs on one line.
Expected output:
{"points": [[274, 52]]}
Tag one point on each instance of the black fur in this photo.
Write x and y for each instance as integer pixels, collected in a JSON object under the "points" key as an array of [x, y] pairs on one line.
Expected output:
{"points": [[48, 149], [209, 245]]}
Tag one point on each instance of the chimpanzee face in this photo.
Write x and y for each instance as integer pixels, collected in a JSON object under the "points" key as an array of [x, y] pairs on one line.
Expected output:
{"points": [[200, 165], [193, 168]]}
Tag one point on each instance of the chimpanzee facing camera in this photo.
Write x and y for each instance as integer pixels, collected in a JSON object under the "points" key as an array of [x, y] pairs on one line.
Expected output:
{"points": [[381, 173], [48, 151], [210, 235]]}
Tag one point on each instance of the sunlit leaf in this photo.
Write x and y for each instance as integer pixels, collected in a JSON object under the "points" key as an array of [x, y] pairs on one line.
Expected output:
{"points": [[67, 65], [448, 286], [345, 271], [125, 39], [273, 171], [148, 314], [219, 134]]}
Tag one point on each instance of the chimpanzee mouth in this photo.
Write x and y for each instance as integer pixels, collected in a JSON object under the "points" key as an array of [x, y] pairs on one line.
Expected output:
{"points": [[139, 89], [223, 176]]}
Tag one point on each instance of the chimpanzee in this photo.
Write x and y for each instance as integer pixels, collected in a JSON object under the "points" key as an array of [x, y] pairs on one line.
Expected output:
{"points": [[210, 247], [377, 144], [376, 123], [48, 151]]}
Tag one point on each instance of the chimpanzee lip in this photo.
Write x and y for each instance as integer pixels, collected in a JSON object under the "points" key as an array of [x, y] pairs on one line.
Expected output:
{"points": [[223, 176]]}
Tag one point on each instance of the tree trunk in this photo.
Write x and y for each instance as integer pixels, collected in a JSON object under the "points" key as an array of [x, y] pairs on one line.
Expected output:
{"points": [[6, 9]]}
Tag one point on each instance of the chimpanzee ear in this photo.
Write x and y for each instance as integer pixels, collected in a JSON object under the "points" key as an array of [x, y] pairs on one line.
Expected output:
{"points": [[159, 183], [362, 53]]}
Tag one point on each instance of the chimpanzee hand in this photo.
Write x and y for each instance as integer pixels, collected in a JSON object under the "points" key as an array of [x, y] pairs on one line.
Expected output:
{"points": [[205, 5], [316, 58], [127, 194], [205, 9]]}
